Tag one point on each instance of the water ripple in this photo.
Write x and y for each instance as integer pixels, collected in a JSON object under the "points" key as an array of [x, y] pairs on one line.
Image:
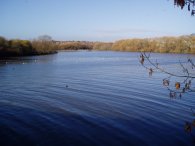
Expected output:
{"points": [[89, 98]]}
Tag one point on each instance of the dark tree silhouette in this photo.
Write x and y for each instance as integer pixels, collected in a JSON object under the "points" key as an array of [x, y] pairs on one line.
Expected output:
{"points": [[189, 3]]}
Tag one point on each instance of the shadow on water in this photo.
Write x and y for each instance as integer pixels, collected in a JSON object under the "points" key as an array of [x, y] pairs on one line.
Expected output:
{"points": [[28, 59], [189, 126], [23, 126]]}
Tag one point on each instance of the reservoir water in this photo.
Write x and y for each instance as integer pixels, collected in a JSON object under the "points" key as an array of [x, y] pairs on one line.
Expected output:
{"points": [[91, 98]]}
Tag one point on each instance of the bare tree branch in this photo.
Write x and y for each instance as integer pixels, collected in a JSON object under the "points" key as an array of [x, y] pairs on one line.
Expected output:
{"points": [[178, 88]]}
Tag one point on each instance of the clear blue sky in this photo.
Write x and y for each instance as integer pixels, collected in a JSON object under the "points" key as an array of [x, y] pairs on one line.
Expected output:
{"points": [[93, 20]]}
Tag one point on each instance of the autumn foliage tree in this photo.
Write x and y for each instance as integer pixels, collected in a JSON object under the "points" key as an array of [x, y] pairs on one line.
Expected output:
{"points": [[177, 88], [189, 3], [188, 67]]}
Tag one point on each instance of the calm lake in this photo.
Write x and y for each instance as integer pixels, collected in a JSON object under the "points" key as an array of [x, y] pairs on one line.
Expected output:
{"points": [[91, 98]]}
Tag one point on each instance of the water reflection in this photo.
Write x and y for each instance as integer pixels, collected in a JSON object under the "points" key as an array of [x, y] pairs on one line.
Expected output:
{"points": [[63, 128], [29, 59]]}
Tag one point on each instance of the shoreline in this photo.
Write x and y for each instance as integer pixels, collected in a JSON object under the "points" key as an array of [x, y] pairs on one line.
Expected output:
{"points": [[4, 58], [34, 54]]}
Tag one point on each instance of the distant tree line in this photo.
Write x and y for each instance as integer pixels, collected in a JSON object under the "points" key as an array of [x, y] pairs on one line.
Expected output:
{"points": [[183, 44], [102, 46], [75, 45], [17, 47], [45, 45]]}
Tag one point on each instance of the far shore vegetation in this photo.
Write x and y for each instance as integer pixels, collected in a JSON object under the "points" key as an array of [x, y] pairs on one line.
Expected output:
{"points": [[16, 47], [45, 45]]}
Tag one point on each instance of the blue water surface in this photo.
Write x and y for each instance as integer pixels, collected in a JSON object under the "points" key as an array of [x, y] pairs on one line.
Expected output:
{"points": [[96, 98]]}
